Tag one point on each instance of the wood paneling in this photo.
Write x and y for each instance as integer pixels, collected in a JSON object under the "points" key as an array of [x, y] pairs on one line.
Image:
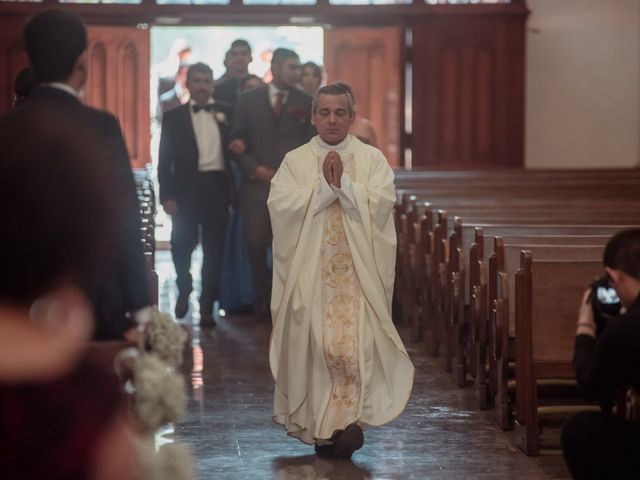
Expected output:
{"points": [[468, 90], [118, 77], [467, 70], [370, 60], [13, 58], [119, 83]]}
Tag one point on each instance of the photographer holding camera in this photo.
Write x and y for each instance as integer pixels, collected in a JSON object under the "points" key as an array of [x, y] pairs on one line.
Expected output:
{"points": [[606, 358]]}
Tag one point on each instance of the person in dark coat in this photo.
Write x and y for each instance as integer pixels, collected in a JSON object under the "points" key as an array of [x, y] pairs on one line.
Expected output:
{"points": [[56, 43], [271, 120], [196, 187]]}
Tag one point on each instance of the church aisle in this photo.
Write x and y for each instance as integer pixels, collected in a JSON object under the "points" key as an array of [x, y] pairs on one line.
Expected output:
{"points": [[441, 435]]}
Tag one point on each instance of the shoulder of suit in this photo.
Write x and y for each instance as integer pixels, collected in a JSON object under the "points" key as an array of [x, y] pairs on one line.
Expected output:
{"points": [[257, 92], [301, 96], [175, 112], [223, 106]]}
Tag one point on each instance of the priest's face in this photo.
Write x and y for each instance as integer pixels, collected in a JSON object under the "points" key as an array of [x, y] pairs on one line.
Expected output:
{"points": [[333, 118]]}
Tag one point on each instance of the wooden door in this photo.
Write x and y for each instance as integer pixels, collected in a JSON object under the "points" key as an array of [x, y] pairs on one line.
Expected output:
{"points": [[118, 77], [119, 83], [468, 90], [13, 58], [370, 60]]}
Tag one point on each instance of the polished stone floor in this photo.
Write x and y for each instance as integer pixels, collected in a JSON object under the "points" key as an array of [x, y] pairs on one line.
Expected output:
{"points": [[441, 435]]}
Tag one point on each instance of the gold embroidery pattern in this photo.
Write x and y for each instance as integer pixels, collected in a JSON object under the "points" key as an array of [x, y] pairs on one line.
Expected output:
{"points": [[341, 314]]}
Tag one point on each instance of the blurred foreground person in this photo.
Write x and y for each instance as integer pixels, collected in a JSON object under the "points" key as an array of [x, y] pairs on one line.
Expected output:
{"points": [[60, 416], [336, 357], [56, 42]]}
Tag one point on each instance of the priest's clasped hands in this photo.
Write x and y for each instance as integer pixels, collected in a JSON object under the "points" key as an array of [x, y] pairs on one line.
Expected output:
{"points": [[332, 168]]}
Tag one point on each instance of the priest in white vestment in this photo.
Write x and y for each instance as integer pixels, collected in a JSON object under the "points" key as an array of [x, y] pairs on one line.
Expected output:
{"points": [[336, 357]]}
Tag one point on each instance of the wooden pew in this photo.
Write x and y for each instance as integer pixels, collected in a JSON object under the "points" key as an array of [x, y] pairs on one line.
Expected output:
{"points": [[483, 292], [502, 325], [438, 281], [547, 296]]}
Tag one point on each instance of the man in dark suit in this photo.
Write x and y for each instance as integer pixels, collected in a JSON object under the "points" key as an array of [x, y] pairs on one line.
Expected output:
{"points": [[237, 60], [56, 43], [272, 120], [195, 186]]}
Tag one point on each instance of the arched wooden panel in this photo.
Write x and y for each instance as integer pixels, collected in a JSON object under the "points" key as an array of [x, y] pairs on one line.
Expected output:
{"points": [[96, 89], [127, 105], [17, 60], [121, 56], [369, 59], [13, 58], [468, 90], [485, 98], [448, 107]]}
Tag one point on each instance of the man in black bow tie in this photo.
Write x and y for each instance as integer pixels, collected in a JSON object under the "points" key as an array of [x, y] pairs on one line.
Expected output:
{"points": [[196, 187]]}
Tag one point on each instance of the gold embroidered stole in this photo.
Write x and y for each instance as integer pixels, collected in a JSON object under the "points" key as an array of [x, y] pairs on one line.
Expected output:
{"points": [[340, 318]]}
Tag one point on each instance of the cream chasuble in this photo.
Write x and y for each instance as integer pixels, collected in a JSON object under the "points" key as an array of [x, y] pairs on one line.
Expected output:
{"points": [[335, 354]]}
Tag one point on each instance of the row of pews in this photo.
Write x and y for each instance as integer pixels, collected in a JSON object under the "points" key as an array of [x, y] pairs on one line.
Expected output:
{"points": [[491, 269], [147, 201]]}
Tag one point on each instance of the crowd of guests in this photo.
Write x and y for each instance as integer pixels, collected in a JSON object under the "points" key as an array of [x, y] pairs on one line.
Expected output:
{"points": [[254, 125]]}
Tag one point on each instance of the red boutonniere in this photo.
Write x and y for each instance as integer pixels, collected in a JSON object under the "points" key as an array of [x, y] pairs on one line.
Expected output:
{"points": [[298, 114]]}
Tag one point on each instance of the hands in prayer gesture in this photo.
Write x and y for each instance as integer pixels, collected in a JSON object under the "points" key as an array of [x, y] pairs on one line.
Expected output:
{"points": [[332, 168]]}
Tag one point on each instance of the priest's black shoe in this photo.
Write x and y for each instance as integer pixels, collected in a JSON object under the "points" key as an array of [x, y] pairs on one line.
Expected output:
{"points": [[325, 451], [348, 441]]}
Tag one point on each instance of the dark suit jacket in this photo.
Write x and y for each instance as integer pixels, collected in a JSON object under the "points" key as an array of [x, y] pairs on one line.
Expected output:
{"points": [[166, 102], [124, 287], [269, 137], [226, 91], [178, 159]]}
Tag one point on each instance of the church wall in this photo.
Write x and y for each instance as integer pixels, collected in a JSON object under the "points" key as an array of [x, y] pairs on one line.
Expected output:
{"points": [[583, 84]]}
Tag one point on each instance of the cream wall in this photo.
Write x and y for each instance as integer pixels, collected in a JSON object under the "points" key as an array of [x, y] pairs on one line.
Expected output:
{"points": [[583, 84]]}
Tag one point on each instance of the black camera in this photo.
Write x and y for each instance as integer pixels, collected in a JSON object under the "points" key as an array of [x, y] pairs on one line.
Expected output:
{"points": [[604, 302]]}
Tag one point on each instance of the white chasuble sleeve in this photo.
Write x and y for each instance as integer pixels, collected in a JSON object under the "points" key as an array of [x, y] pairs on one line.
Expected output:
{"points": [[325, 195], [347, 197], [297, 234]]}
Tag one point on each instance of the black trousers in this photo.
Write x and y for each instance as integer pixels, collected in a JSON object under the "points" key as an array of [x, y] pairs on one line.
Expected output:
{"points": [[601, 446], [258, 236], [205, 209]]}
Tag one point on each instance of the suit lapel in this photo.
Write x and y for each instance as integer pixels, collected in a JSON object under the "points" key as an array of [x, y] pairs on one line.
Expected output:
{"points": [[223, 125]]}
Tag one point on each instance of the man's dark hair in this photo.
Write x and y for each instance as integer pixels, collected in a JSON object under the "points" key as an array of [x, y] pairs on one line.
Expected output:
{"points": [[54, 40], [337, 88], [24, 84], [623, 252], [61, 220], [280, 55], [199, 68], [240, 43]]}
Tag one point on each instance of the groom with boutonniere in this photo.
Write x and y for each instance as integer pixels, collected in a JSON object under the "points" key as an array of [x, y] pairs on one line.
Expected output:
{"points": [[196, 187]]}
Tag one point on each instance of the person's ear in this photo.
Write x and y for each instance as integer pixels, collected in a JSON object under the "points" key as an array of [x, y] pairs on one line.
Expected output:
{"points": [[81, 67], [614, 275]]}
